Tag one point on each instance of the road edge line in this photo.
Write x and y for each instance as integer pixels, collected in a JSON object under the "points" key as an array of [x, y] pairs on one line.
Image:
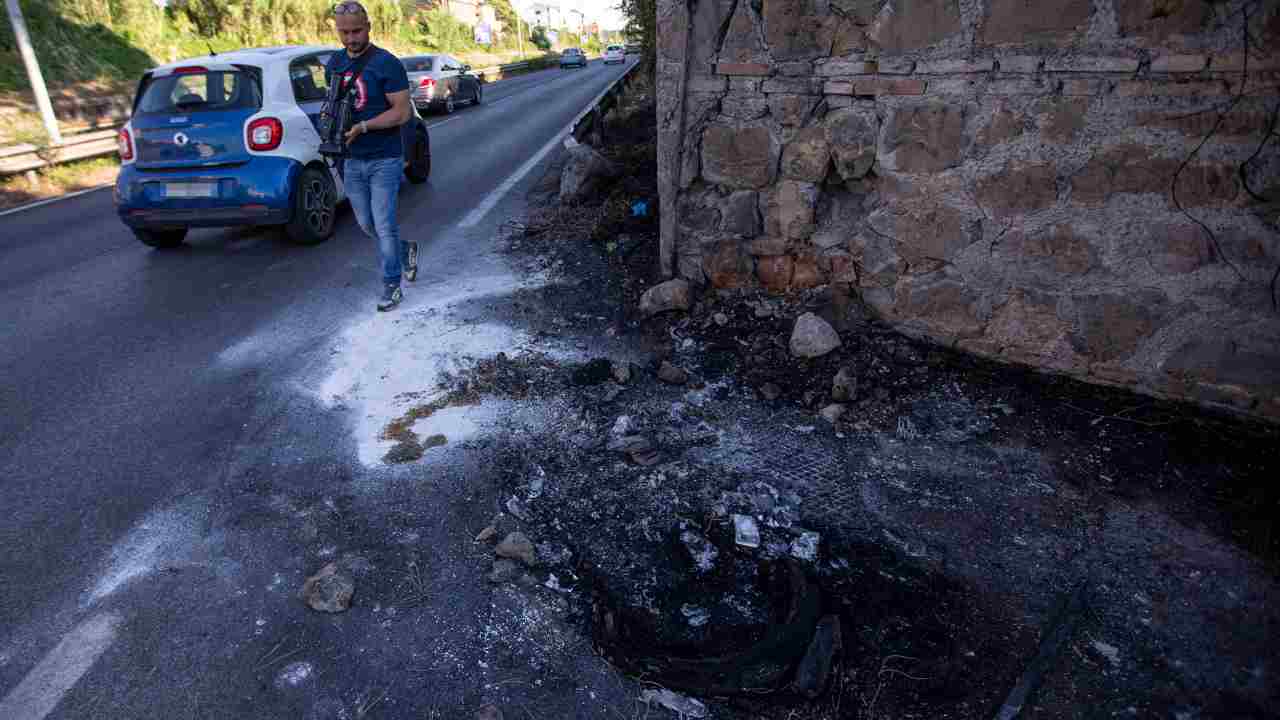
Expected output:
{"points": [[50, 201]]}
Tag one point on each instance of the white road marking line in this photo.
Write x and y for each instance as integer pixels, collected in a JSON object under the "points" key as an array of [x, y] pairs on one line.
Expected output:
{"points": [[477, 214], [41, 690], [39, 203]]}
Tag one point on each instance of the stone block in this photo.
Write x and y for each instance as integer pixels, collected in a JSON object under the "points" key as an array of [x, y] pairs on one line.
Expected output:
{"points": [[925, 229], [1158, 20], [796, 86], [745, 85], [853, 134], [1111, 326], [926, 137], [1084, 87], [789, 209], [1035, 21], [729, 266], [1192, 88], [1018, 188], [1061, 119], [944, 305], [1176, 249], [742, 44], [808, 156], [1060, 249], [795, 68], [904, 25], [1092, 64], [1006, 124], [837, 87], [738, 157], [889, 86], [1235, 62], [798, 29], [707, 84], [836, 102], [1179, 63], [895, 66], [1250, 362], [774, 272], [840, 68], [1027, 328], [1235, 124], [744, 107], [968, 85], [740, 214], [807, 273], [1018, 87], [747, 69], [1206, 184], [1025, 64], [951, 67], [792, 110], [1121, 169]]}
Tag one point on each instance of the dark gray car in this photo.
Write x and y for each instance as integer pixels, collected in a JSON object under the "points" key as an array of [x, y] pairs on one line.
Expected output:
{"points": [[441, 82], [572, 57]]}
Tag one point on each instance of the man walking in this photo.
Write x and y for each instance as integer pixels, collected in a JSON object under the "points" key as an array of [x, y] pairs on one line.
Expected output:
{"points": [[375, 160]]}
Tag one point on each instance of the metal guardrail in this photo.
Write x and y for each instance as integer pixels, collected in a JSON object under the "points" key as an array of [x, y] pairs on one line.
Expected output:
{"points": [[22, 158], [591, 124]]}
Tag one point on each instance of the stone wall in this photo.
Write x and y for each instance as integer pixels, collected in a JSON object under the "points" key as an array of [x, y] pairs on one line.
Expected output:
{"points": [[995, 175]]}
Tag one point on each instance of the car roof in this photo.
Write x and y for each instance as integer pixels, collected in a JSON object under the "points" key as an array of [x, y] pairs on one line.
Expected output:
{"points": [[251, 56]]}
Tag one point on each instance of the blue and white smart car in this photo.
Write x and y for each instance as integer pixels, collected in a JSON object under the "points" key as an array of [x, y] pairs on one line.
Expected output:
{"points": [[230, 139]]}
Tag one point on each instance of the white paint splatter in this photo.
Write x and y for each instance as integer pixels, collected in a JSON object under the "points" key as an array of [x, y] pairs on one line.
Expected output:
{"points": [[294, 674]]}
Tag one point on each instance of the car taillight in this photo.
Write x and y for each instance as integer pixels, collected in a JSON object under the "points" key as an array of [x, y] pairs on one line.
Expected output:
{"points": [[190, 69], [125, 144], [428, 84], [265, 134]]}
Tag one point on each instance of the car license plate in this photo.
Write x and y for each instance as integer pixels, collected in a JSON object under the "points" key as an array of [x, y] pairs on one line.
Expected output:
{"points": [[190, 190]]}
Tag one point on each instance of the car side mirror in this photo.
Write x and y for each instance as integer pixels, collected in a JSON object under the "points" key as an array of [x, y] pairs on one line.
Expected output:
{"points": [[466, 68]]}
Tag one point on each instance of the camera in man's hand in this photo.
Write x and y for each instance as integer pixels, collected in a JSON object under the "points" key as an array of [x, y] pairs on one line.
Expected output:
{"points": [[335, 121]]}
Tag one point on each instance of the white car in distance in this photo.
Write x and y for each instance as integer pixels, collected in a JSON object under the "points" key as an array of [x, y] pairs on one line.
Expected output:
{"points": [[615, 54]]}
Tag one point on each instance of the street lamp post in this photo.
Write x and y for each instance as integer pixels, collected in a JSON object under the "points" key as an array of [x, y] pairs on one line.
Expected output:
{"points": [[34, 75]]}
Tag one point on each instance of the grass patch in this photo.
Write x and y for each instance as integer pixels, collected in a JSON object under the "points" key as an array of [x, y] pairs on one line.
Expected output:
{"points": [[57, 180]]}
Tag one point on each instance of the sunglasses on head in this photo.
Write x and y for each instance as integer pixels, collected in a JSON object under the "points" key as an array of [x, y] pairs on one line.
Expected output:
{"points": [[349, 8]]}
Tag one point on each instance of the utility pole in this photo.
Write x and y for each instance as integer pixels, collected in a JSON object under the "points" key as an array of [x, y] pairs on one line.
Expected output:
{"points": [[33, 71]]}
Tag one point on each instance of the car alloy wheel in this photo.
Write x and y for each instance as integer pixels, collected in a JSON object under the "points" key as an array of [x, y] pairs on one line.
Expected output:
{"points": [[314, 208], [449, 106], [318, 205]]}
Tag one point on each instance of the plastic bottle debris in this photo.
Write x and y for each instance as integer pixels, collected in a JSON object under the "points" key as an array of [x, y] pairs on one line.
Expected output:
{"points": [[745, 531], [694, 615], [685, 707], [805, 547]]}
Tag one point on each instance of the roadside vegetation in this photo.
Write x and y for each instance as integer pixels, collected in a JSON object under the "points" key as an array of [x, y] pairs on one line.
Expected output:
{"points": [[57, 180], [112, 41]]}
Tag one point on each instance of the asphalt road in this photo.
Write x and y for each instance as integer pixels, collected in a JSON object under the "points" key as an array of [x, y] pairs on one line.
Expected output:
{"points": [[162, 466]]}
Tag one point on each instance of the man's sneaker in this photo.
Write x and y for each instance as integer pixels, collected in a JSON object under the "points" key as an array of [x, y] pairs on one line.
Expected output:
{"points": [[391, 297], [411, 262]]}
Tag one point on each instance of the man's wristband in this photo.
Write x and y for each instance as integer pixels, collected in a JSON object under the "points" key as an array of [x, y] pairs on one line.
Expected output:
{"points": [[364, 127]]}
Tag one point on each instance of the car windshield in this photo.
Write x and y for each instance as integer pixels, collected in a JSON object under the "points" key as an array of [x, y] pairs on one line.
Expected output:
{"points": [[571, 51], [614, 48], [200, 91], [425, 63]]}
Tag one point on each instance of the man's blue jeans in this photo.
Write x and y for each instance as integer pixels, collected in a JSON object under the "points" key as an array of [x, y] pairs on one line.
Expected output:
{"points": [[373, 186]]}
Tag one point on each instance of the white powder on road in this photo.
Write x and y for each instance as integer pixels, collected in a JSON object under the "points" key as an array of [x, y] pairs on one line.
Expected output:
{"points": [[385, 364], [169, 535]]}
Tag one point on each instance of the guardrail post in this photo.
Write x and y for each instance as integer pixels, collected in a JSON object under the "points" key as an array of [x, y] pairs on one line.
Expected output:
{"points": [[33, 71]]}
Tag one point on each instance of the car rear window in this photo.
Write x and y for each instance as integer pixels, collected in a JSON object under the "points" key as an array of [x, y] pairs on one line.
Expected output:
{"points": [[190, 92], [419, 64], [611, 48]]}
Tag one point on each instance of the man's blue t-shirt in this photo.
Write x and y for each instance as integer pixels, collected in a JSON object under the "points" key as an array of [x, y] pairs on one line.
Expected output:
{"points": [[382, 74]]}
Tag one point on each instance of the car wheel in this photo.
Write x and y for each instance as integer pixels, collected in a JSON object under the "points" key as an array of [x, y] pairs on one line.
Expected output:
{"points": [[420, 162], [314, 208], [163, 239], [449, 105], [475, 99]]}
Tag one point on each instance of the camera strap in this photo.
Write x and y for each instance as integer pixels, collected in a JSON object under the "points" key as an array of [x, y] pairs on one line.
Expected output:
{"points": [[356, 68]]}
